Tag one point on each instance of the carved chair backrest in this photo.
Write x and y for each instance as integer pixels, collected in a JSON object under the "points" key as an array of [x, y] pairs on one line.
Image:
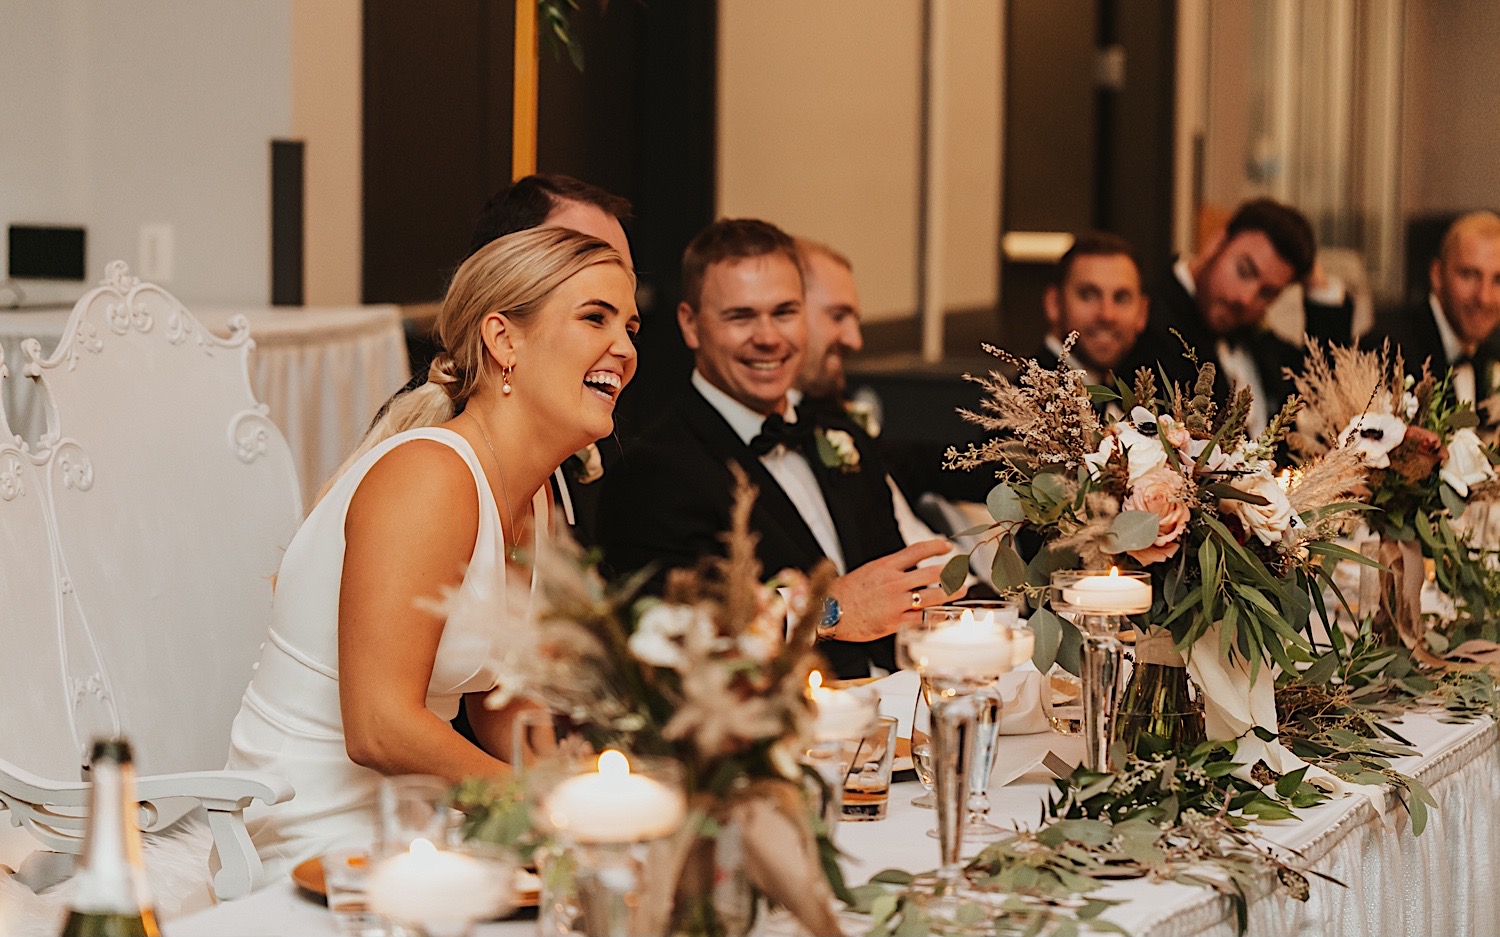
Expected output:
{"points": [[169, 497]]}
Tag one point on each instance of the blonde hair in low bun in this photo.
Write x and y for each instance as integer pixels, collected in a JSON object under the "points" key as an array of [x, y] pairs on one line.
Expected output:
{"points": [[514, 276]]}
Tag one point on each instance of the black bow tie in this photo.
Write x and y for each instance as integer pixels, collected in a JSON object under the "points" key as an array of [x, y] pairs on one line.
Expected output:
{"points": [[776, 431]]}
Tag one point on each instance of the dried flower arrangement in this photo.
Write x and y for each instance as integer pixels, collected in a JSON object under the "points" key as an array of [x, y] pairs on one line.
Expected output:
{"points": [[1423, 466]]}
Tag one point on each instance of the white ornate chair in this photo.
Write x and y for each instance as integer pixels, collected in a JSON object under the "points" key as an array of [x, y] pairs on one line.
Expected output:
{"points": [[137, 549]]}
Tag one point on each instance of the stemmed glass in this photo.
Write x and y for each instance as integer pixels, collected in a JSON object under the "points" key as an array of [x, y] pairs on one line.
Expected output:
{"points": [[921, 749], [961, 656], [1098, 603]]}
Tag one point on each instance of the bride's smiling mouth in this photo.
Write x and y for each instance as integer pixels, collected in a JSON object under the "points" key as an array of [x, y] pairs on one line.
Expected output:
{"points": [[605, 384]]}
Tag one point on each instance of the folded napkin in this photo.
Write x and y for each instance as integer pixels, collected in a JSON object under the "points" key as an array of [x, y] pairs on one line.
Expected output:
{"points": [[1020, 693]]}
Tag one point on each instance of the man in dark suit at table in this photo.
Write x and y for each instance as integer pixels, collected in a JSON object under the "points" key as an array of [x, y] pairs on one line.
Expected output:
{"points": [[1457, 326], [1217, 303], [1095, 292], [823, 488]]}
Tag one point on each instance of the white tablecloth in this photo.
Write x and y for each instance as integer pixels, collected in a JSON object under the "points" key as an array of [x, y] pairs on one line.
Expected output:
{"points": [[322, 371], [1439, 883]]}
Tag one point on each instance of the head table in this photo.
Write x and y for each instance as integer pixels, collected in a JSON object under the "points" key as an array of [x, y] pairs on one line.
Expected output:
{"points": [[322, 372], [1439, 883]]}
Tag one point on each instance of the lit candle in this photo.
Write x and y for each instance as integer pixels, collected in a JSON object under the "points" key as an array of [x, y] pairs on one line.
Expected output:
{"points": [[965, 648], [1288, 478], [442, 892], [1114, 594], [612, 805], [840, 714]]}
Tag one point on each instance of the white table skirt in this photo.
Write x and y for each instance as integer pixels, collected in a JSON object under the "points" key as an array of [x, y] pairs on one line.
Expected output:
{"points": [[323, 372], [1439, 883]]}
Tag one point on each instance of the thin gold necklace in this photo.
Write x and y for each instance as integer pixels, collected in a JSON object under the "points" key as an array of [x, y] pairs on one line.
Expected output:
{"points": [[513, 547]]}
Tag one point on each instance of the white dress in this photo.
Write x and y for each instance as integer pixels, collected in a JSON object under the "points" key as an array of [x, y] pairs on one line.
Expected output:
{"points": [[289, 721]]}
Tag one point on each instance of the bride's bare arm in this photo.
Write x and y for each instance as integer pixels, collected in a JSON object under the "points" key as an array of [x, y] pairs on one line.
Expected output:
{"points": [[410, 531]]}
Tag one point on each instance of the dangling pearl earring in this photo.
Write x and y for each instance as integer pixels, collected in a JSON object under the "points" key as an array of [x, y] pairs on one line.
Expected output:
{"points": [[505, 379]]}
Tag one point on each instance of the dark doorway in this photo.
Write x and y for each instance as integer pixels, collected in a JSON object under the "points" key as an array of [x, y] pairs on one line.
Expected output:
{"points": [[1089, 89]]}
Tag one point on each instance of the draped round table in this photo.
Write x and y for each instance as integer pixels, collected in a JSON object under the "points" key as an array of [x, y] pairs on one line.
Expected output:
{"points": [[1438, 883], [322, 371]]}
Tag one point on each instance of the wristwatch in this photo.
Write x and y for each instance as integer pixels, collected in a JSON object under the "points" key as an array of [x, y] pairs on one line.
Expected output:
{"points": [[832, 614]]}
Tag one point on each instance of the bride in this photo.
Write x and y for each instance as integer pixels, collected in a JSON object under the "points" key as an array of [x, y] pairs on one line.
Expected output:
{"points": [[359, 677]]}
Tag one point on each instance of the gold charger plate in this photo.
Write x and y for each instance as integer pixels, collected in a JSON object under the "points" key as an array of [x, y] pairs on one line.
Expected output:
{"points": [[308, 876]]}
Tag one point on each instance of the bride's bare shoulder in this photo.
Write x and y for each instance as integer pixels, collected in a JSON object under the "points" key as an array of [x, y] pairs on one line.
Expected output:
{"points": [[420, 478]]}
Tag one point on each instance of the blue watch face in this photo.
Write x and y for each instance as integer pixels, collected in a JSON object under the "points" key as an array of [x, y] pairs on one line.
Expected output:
{"points": [[831, 611]]}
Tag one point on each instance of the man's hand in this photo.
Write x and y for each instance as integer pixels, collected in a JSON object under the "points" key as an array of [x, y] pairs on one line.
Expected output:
{"points": [[877, 598]]}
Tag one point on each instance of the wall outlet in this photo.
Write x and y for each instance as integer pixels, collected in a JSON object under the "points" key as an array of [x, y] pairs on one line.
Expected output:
{"points": [[154, 253]]}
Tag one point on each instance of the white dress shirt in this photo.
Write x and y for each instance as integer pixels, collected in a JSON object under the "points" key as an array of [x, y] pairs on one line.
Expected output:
{"points": [[1453, 349], [790, 469]]}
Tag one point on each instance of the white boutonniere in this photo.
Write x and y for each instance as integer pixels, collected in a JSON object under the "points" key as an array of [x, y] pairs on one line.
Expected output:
{"points": [[862, 412], [837, 450], [589, 466]]}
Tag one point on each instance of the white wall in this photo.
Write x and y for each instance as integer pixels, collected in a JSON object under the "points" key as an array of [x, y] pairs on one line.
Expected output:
{"points": [[118, 113]]}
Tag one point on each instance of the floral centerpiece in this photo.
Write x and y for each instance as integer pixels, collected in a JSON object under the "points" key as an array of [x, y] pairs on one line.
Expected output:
{"points": [[1424, 466], [1180, 489], [705, 674]]}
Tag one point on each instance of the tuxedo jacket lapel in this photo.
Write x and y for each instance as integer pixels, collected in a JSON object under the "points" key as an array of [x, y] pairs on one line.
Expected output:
{"points": [[774, 512]]}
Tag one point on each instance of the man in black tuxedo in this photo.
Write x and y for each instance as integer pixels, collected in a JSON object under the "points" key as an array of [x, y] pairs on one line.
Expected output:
{"points": [[1095, 292], [1457, 326], [823, 487], [1217, 303]]}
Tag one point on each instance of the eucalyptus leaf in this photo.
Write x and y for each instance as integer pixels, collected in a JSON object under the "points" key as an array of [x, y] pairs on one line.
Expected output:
{"points": [[955, 571], [1227, 492], [1132, 530], [1048, 631], [1005, 505], [1009, 570]]}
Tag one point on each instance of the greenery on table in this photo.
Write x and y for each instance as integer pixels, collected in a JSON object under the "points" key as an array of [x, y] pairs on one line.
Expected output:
{"points": [[1186, 819]]}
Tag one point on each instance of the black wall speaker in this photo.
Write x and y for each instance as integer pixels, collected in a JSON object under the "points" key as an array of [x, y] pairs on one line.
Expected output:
{"points": [[287, 181]]}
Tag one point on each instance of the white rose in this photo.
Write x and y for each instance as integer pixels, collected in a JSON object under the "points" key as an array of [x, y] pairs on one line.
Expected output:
{"points": [[1374, 435], [1466, 465], [843, 445], [658, 635], [1268, 521], [1143, 453]]}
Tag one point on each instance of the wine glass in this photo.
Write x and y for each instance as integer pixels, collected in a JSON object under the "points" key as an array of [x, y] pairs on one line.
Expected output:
{"points": [[921, 748], [961, 655]]}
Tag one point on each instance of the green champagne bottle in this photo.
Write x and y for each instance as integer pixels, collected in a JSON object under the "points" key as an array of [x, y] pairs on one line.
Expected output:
{"points": [[112, 899]]}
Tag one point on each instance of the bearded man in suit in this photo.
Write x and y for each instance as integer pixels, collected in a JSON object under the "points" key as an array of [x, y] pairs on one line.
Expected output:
{"points": [[823, 488], [1217, 303], [1456, 327]]}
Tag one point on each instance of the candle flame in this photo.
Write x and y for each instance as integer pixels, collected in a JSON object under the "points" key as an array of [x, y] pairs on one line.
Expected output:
{"points": [[613, 764], [1114, 570], [967, 618], [814, 680], [421, 847]]}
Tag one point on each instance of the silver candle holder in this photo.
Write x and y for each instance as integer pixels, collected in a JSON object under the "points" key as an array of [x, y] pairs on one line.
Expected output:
{"points": [[1097, 603]]}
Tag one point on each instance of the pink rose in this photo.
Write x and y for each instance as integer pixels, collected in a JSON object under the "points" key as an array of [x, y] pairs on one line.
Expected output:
{"points": [[1160, 491]]}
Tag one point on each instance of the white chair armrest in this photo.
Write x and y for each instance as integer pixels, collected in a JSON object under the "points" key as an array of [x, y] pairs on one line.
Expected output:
{"points": [[224, 795]]}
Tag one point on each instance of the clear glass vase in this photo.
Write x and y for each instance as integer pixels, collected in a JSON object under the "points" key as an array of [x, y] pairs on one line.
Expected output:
{"points": [[1156, 712], [714, 897]]}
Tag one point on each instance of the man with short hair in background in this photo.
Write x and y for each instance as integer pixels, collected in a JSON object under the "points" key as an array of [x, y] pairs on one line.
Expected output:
{"points": [[823, 489], [1095, 292], [1217, 303], [1456, 326]]}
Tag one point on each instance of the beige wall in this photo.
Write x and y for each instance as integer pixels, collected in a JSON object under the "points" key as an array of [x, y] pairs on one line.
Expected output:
{"points": [[818, 132], [326, 46], [1450, 131]]}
